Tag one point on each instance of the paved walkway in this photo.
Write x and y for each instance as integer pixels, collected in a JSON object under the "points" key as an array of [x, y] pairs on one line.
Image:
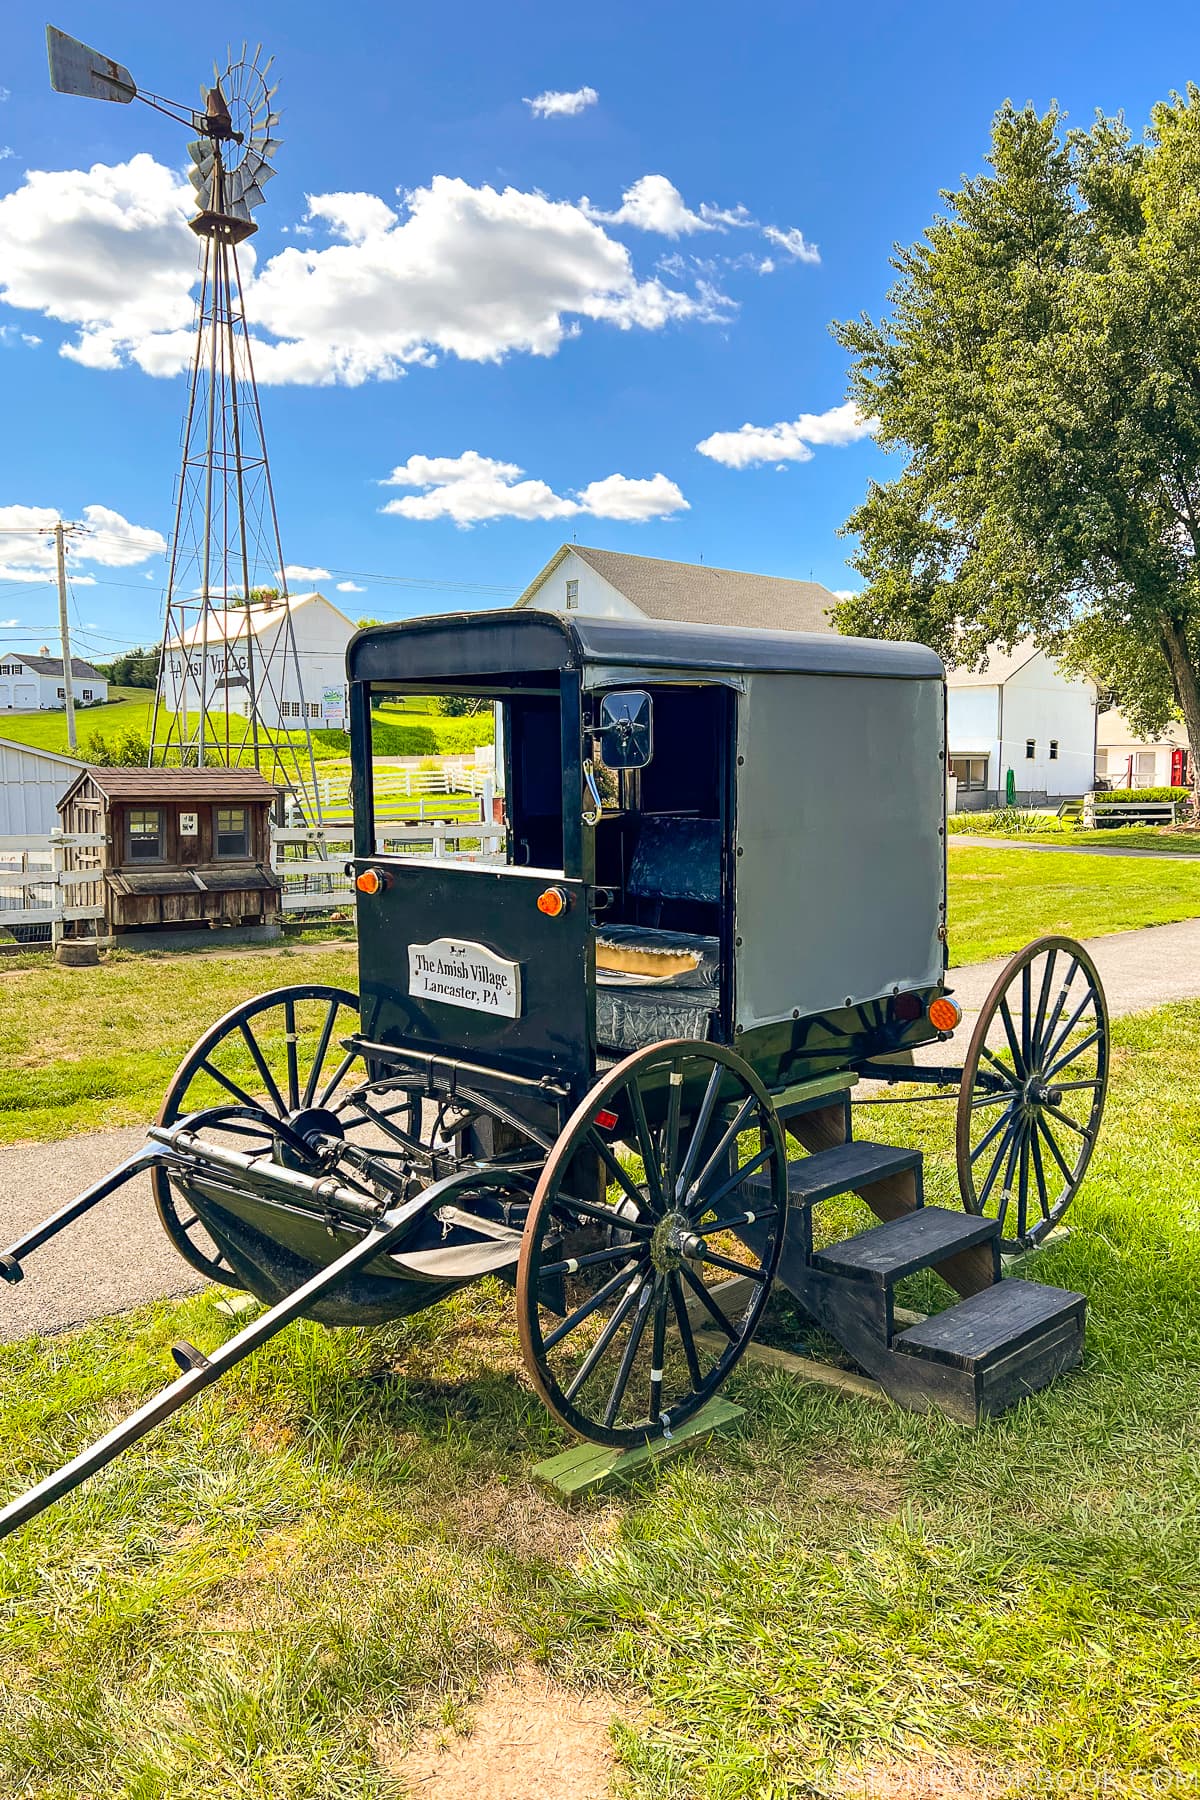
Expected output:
{"points": [[118, 1257], [1005, 843]]}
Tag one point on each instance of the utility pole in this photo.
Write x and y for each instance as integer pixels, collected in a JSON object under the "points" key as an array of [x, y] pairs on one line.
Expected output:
{"points": [[63, 629]]}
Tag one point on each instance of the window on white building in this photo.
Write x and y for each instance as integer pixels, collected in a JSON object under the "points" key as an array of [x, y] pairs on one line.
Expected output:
{"points": [[572, 595], [314, 709], [970, 773], [1030, 749], [11, 668], [87, 693], [62, 693], [1053, 749], [1143, 768]]}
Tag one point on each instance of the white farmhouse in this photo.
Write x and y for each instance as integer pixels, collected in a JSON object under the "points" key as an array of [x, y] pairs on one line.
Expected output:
{"points": [[1023, 713], [1126, 758], [247, 643], [35, 683], [609, 584]]}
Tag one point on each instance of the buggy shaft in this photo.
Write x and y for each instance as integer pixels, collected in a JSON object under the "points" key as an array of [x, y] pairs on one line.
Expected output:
{"points": [[143, 1158], [391, 1228]]}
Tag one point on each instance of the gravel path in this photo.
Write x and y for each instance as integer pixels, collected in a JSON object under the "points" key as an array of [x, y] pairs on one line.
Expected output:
{"points": [[117, 1257], [1003, 843]]}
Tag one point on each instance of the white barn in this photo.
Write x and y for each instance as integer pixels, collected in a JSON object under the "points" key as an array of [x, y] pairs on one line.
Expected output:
{"points": [[248, 640], [32, 782], [609, 584], [35, 683], [1021, 713]]}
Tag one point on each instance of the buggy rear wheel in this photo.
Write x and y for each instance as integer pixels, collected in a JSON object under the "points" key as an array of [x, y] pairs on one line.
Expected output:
{"points": [[276, 1057], [1033, 1089], [695, 1192]]}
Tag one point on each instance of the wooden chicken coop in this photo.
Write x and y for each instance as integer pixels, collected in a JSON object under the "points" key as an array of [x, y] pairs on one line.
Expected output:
{"points": [[185, 851]]}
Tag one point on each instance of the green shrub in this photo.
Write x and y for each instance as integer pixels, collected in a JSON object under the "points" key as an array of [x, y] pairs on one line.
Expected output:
{"points": [[386, 740], [121, 750], [1008, 819], [1131, 796]]}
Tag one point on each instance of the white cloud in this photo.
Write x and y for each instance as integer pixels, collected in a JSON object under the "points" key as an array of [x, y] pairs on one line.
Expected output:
{"points": [[554, 104], [350, 587], [655, 204], [789, 441], [293, 572], [846, 593], [104, 538], [471, 488], [7, 624], [472, 272], [793, 242], [6, 150]]}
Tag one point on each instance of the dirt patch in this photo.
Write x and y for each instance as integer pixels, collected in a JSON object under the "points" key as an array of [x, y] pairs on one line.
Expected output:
{"points": [[876, 1490], [527, 1739], [527, 1522]]}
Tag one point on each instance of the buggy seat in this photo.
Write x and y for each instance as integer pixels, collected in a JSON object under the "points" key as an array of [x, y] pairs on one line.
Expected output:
{"points": [[653, 982]]}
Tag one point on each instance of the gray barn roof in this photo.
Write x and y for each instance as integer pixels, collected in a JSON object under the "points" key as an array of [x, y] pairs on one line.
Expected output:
{"points": [[52, 665], [698, 594]]}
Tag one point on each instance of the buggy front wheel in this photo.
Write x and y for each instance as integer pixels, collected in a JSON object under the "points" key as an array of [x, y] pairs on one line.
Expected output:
{"points": [[630, 1310]]}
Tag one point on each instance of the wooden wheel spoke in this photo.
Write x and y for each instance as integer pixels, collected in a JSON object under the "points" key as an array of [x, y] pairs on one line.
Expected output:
{"points": [[339, 1075], [984, 1141], [1043, 1000], [658, 1348], [314, 1073], [702, 1294], [260, 1063], [1039, 1173], [1057, 1154], [646, 1145], [735, 1268], [686, 1335], [1065, 1119], [728, 1136], [671, 1136], [293, 1065], [575, 1319], [988, 1185], [231, 1087], [731, 1224], [1011, 1077], [603, 1215], [623, 1180], [1056, 1013], [1023, 1184], [1052, 1051], [699, 1130], [1067, 1087], [600, 1347], [1019, 1063], [1063, 1062], [644, 1303], [592, 1260], [735, 1180], [1026, 1020]]}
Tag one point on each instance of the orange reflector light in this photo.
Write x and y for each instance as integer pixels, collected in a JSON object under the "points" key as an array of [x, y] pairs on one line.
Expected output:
{"points": [[605, 1119], [552, 902], [944, 1014], [369, 882]]}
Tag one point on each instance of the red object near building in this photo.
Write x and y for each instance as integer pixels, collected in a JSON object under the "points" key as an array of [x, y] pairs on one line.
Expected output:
{"points": [[1179, 763]]}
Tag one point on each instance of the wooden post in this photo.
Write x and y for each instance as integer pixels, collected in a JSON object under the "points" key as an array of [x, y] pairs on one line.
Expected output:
{"points": [[967, 1272], [58, 863]]}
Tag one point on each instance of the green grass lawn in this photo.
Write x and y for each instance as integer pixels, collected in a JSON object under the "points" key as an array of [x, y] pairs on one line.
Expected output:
{"points": [[127, 709], [998, 899], [342, 1543]]}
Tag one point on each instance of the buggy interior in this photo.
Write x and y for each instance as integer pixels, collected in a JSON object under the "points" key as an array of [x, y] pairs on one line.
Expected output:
{"points": [[659, 828]]}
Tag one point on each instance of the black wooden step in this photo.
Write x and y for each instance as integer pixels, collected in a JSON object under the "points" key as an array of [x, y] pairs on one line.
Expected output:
{"points": [[918, 1240], [992, 1324], [844, 1168]]}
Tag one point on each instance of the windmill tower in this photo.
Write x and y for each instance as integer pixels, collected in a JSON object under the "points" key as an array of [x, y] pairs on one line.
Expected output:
{"points": [[230, 684]]}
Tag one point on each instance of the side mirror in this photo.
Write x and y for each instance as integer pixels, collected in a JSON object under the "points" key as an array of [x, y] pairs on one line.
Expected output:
{"points": [[626, 730]]}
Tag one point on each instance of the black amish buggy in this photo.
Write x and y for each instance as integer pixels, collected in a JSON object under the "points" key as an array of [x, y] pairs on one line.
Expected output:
{"points": [[722, 902]]}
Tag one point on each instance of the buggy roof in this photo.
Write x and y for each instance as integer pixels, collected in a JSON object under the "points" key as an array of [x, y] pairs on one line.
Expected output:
{"points": [[454, 646]]}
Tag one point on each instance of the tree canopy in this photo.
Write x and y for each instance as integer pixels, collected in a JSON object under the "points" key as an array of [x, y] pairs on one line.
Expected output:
{"points": [[1040, 365]]}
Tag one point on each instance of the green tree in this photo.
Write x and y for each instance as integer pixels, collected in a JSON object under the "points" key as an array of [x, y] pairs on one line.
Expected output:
{"points": [[1040, 365], [133, 668]]}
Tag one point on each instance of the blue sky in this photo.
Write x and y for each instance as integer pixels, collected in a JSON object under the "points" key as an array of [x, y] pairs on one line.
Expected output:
{"points": [[498, 297]]}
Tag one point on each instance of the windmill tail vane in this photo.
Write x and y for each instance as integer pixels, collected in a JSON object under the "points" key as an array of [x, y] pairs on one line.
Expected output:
{"points": [[230, 686]]}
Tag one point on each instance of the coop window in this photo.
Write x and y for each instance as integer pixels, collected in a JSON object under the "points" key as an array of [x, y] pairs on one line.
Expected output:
{"points": [[145, 834], [233, 831], [1030, 749], [1053, 749]]}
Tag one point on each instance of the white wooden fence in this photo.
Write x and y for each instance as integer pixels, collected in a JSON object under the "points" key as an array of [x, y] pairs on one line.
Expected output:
{"points": [[46, 881]]}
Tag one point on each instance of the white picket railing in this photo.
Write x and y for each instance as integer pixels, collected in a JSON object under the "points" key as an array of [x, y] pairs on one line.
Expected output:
{"points": [[38, 887]]}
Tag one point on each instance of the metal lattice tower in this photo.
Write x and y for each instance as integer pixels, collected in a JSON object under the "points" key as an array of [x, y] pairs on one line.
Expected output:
{"points": [[230, 664]]}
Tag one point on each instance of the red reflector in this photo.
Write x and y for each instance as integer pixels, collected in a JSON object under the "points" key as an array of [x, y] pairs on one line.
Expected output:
{"points": [[605, 1119]]}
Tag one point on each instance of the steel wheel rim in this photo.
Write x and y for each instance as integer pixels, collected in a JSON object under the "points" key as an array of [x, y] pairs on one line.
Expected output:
{"points": [[1030, 1106], [292, 1082], [650, 1366]]}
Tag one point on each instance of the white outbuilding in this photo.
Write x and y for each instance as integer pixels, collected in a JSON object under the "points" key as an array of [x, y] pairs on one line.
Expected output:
{"points": [[248, 644], [32, 782], [1126, 758], [1025, 714], [610, 584], [35, 683]]}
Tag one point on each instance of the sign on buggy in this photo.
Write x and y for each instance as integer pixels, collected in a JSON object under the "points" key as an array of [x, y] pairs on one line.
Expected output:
{"points": [[464, 975]]}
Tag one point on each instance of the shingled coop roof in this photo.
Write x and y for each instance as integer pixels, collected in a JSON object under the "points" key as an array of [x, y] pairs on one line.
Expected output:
{"points": [[698, 594], [177, 784]]}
